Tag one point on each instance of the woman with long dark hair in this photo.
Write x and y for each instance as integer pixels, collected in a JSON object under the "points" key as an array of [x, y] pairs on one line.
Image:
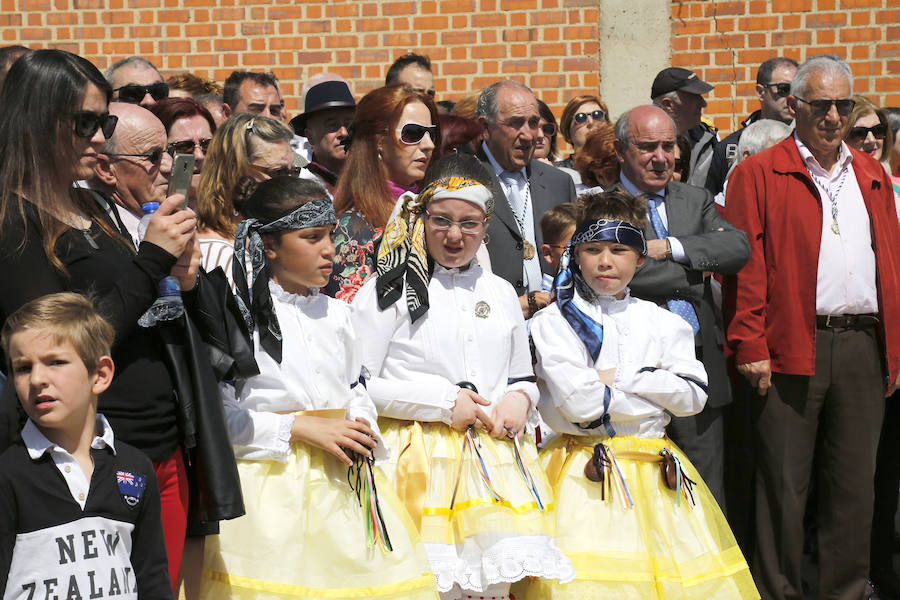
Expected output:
{"points": [[54, 237], [395, 132]]}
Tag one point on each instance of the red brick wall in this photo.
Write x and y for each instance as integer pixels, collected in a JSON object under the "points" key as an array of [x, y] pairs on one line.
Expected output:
{"points": [[551, 45], [724, 42]]}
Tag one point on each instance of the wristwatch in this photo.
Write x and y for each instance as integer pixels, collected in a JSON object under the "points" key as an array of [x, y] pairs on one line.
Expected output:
{"points": [[668, 249]]}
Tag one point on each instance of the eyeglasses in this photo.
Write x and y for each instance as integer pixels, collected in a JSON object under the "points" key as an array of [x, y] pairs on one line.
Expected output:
{"points": [[595, 115], [412, 133], [154, 157], [439, 223], [858, 134], [273, 172], [821, 107], [548, 129], [87, 123], [134, 93], [782, 90], [187, 147]]}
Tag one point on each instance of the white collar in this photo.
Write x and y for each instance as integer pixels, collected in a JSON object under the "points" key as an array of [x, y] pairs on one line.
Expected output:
{"points": [[496, 166], [290, 298], [634, 191], [38, 444], [844, 157]]}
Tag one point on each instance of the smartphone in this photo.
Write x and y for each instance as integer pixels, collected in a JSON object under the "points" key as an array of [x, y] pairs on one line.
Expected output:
{"points": [[180, 177]]}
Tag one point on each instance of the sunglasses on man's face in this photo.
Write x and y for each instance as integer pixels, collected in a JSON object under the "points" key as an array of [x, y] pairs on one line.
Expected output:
{"points": [[595, 115], [187, 146], [134, 93], [782, 90], [87, 123], [412, 133], [821, 107], [858, 134], [154, 157]]}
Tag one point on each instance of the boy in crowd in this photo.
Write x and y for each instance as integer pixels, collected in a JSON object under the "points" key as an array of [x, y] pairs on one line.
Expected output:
{"points": [[79, 510], [557, 226]]}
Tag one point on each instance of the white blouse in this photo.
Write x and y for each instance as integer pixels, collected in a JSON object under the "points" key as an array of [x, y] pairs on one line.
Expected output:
{"points": [[320, 369], [652, 351], [473, 331]]}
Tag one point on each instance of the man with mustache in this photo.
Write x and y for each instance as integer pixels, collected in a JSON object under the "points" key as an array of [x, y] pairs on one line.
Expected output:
{"points": [[508, 111], [813, 322], [686, 241]]}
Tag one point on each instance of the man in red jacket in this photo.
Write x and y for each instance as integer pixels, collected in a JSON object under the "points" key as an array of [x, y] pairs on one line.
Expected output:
{"points": [[813, 322]]}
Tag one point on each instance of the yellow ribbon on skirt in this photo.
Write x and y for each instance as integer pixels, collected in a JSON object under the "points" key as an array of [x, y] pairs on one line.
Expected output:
{"points": [[412, 473]]}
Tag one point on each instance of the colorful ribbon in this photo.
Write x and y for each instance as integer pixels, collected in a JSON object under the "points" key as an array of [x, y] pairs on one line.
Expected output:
{"points": [[523, 470], [367, 494]]}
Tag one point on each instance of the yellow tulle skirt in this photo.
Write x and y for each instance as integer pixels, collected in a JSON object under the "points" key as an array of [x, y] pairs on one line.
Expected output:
{"points": [[473, 537], [304, 536], [659, 548]]}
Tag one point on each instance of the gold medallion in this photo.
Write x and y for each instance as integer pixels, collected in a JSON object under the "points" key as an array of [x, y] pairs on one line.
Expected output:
{"points": [[834, 227], [527, 249], [482, 309]]}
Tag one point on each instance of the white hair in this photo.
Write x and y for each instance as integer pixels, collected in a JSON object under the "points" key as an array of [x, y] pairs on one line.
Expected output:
{"points": [[824, 63], [758, 136]]}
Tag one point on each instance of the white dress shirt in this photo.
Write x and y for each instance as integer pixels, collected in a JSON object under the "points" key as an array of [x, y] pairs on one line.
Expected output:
{"points": [[78, 483], [845, 282], [320, 369], [637, 334], [531, 269], [473, 331], [678, 253]]}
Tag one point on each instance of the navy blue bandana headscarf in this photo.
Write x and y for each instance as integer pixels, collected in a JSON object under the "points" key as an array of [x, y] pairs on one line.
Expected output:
{"points": [[597, 230]]}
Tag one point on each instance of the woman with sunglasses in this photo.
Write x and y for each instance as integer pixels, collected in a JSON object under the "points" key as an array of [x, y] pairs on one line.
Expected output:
{"points": [[450, 372], [244, 146], [578, 117], [189, 128], [868, 130], [54, 237], [394, 134]]}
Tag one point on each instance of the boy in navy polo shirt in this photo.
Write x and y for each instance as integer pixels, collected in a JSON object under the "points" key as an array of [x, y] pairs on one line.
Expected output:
{"points": [[79, 510]]}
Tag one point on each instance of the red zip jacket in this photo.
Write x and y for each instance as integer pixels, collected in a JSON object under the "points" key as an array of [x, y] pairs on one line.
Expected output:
{"points": [[770, 305]]}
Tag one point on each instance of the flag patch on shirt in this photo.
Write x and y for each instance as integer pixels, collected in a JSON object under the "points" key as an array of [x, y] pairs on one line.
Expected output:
{"points": [[131, 486]]}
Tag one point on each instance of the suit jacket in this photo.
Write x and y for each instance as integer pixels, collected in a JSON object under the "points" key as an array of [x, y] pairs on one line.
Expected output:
{"points": [[549, 187], [770, 305], [693, 219]]}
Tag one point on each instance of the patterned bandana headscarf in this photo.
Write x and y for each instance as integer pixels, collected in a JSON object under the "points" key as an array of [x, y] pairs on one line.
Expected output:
{"points": [[402, 251], [258, 310], [569, 275]]}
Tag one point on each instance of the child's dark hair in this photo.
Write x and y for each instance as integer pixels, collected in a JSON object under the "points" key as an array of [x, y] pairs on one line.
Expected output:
{"points": [[459, 165], [613, 204], [274, 198], [557, 220], [71, 318]]}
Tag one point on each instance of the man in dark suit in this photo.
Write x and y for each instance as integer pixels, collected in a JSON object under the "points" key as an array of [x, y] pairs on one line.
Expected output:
{"points": [[686, 240], [508, 111]]}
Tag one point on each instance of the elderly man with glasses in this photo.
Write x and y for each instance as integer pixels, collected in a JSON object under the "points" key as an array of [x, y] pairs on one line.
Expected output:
{"points": [[136, 80], [134, 167], [773, 86], [813, 323]]}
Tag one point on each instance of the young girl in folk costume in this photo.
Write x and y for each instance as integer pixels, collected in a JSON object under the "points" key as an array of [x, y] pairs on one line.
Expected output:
{"points": [[312, 529], [445, 348], [631, 511]]}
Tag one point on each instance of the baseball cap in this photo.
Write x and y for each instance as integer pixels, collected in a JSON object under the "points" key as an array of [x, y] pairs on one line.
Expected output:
{"points": [[677, 78]]}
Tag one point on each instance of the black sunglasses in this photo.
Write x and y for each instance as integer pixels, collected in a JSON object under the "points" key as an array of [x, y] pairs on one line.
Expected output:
{"points": [[154, 156], [548, 129], [595, 115], [782, 90], [273, 172], [681, 163], [412, 133], [858, 134], [821, 107], [134, 93], [87, 123], [187, 146]]}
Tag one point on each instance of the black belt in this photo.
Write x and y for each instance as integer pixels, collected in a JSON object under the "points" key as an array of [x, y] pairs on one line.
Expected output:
{"points": [[843, 321]]}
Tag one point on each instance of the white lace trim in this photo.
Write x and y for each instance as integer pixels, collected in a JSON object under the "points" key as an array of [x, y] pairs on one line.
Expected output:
{"points": [[506, 560]]}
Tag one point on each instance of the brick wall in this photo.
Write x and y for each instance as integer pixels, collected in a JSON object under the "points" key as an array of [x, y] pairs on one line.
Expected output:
{"points": [[726, 41], [551, 45]]}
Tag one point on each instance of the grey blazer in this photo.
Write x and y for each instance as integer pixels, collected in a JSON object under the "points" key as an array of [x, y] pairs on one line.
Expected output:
{"points": [[549, 187], [694, 219]]}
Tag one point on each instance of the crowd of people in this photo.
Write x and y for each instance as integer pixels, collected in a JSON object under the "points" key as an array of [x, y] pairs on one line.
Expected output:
{"points": [[417, 353]]}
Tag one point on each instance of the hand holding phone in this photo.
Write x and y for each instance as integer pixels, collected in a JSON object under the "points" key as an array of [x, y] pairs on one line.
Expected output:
{"points": [[180, 177]]}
